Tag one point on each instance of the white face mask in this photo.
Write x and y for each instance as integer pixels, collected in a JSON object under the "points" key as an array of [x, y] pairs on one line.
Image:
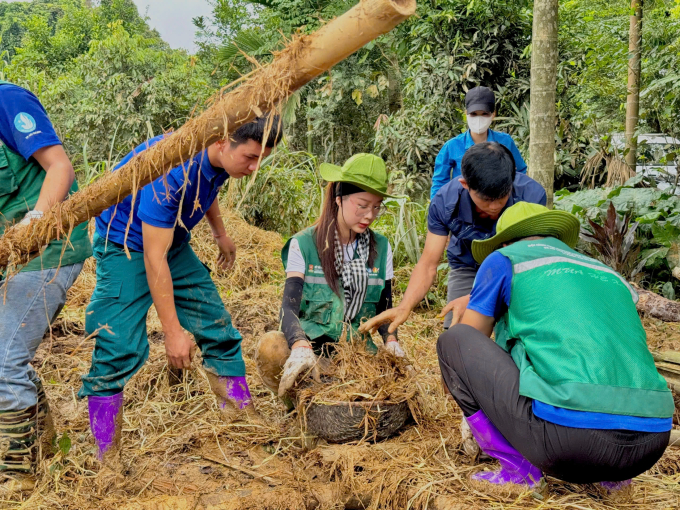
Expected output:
{"points": [[479, 124]]}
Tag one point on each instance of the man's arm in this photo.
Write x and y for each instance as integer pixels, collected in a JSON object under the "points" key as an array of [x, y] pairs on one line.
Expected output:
{"points": [[59, 178], [227, 247], [480, 322], [421, 280], [157, 242]]}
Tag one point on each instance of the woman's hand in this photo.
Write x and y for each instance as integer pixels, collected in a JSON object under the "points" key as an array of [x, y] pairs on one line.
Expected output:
{"points": [[227, 248], [301, 359]]}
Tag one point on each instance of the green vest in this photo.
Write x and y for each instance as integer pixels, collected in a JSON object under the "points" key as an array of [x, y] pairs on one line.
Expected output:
{"points": [[575, 335], [20, 185], [321, 309]]}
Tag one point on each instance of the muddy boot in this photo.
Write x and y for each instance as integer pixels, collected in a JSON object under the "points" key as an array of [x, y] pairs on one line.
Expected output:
{"points": [[469, 444], [515, 469], [18, 445], [272, 353], [45, 425], [233, 397], [106, 423]]}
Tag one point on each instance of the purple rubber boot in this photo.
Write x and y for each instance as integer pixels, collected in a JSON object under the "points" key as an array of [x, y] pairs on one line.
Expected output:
{"points": [[237, 391], [106, 421], [514, 467], [232, 395], [615, 486]]}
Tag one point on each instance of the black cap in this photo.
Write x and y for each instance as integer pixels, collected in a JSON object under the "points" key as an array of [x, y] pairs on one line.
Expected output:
{"points": [[480, 98]]}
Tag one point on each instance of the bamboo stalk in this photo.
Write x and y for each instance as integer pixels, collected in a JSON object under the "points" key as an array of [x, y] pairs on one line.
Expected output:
{"points": [[305, 58]]}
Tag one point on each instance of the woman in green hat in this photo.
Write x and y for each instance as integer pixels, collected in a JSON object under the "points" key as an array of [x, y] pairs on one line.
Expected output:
{"points": [[338, 272], [569, 387]]}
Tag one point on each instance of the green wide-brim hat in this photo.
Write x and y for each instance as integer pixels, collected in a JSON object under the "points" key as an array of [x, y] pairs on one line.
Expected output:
{"points": [[524, 219], [366, 171]]}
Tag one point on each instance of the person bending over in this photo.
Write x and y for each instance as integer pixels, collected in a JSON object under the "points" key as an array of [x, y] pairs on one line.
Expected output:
{"points": [[464, 210], [569, 387], [162, 269]]}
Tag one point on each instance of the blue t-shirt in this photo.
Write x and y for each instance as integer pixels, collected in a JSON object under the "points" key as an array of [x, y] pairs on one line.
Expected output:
{"points": [[490, 297], [191, 190], [447, 164], [452, 212], [24, 124]]}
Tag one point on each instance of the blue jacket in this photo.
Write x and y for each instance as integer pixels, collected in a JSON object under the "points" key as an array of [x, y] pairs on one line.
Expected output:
{"points": [[453, 212], [447, 164]]}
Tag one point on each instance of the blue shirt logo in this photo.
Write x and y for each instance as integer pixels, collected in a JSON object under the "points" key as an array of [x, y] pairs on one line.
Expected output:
{"points": [[25, 123]]}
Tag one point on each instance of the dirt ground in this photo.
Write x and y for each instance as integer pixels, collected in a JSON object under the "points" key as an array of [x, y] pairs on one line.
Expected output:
{"points": [[178, 453]]}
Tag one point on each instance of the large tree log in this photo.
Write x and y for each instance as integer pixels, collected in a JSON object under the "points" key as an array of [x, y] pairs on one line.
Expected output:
{"points": [[302, 60], [658, 307]]}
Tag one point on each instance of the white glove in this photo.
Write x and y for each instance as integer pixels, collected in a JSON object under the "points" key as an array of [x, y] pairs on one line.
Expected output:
{"points": [[31, 215], [393, 347], [300, 360]]}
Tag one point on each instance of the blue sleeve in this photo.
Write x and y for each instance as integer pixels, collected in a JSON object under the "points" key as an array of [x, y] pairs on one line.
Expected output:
{"points": [[437, 221], [520, 165], [24, 125], [536, 194], [158, 204], [490, 294], [442, 169]]}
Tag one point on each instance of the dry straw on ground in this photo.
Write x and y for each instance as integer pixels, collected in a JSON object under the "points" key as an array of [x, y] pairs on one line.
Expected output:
{"points": [[179, 455]]}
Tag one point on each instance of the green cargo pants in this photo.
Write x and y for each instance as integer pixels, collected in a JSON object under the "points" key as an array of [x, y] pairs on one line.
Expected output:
{"points": [[121, 301]]}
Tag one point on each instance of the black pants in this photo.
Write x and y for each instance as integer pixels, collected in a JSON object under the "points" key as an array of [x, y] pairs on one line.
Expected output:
{"points": [[481, 375]]}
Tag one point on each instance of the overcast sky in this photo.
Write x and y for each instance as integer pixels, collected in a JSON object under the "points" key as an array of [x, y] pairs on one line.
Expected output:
{"points": [[172, 19]]}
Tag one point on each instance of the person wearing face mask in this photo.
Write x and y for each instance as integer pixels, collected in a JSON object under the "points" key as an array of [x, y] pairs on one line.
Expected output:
{"points": [[480, 109], [464, 210], [143, 258], [338, 273]]}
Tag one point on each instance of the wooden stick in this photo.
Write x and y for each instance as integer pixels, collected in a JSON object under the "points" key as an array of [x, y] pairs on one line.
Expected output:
{"points": [[247, 471], [305, 58]]}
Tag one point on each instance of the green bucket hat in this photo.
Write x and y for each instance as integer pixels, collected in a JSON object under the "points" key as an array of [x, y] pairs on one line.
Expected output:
{"points": [[524, 219], [365, 171]]}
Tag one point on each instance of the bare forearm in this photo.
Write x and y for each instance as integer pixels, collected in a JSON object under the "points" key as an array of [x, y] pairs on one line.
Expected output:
{"points": [[214, 217], [162, 291], [419, 284], [56, 186]]}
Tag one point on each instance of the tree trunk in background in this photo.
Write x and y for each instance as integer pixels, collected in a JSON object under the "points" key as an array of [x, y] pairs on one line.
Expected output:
{"points": [[634, 68], [543, 85]]}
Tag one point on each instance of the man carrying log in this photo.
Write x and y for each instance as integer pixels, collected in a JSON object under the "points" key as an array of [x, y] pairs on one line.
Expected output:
{"points": [[35, 174], [162, 269], [463, 210], [569, 387]]}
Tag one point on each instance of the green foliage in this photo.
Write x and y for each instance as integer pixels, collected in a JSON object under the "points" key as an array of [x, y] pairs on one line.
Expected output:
{"points": [[656, 212], [106, 80], [614, 242], [452, 46], [405, 225], [286, 194]]}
